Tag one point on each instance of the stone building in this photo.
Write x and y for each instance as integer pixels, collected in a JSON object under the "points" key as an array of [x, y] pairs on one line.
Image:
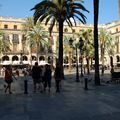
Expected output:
{"points": [[12, 27], [114, 29]]}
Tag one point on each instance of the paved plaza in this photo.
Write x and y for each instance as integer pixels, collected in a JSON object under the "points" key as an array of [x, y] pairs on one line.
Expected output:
{"points": [[72, 103]]}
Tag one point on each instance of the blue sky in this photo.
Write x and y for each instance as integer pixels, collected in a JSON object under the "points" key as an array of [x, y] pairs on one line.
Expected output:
{"points": [[21, 9]]}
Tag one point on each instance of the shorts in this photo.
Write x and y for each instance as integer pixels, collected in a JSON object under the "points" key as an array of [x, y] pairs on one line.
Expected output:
{"points": [[37, 80], [9, 81]]}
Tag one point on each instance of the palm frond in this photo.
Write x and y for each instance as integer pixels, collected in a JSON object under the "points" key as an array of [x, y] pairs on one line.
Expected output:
{"points": [[79, 6]]}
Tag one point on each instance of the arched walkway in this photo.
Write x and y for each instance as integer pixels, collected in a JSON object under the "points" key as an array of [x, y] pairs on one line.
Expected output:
{"points": [[34, 58], [41, 58], [50, 59], [5, 58], [15, 58], [25, 58], [118, 58]]}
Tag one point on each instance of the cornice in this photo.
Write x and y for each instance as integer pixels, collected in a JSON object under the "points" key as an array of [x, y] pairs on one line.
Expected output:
{"points": [[11, 19]]}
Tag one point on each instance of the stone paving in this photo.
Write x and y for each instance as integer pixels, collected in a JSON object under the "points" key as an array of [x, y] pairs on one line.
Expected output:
{"points": [[72, 103]]}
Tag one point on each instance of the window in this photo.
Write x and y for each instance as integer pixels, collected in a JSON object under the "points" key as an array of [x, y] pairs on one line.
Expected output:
{"points": [[6, 26], [5, 37], [49, 49], [15, 48], [15, 38], [116, 29], [81, 30], [118, 58], [117, 44], [23, 38], [15, 27], [65, 30], [73, 30]]}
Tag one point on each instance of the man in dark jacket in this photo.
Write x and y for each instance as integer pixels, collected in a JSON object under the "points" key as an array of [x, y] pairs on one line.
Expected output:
{"points": [[47, 77], [36, 75]]}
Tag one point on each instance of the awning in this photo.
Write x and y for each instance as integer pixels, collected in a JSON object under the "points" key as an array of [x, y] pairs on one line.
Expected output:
{"points": [[5, 63], [16, 62], [25, 62], [43, 63]]}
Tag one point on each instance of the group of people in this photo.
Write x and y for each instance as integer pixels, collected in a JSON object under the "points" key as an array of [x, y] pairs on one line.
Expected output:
{"points": [[41, 75]]}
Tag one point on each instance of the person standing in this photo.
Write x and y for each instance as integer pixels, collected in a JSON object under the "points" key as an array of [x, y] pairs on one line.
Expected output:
{"points": [[58, 77], [8, 78], [17, 72], [47, 77], [36, 75], [43, 72]]}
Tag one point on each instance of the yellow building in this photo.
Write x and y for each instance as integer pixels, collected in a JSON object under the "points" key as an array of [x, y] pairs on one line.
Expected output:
{"points": [[12, 27], [114, 29]]}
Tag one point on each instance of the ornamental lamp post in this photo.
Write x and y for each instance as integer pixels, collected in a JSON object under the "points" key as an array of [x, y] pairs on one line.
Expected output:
{"points": [[21, 57], [81, 52], [70, 53], [77, 70]]}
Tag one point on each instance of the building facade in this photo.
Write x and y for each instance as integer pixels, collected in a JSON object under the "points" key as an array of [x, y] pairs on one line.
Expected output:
{"points": [[114, 29], [12, 28]]}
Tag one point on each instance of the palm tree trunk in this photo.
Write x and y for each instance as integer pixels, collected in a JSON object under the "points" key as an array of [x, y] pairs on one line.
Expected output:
{"points": [[88, 65], [102, 59], [31, 56], [96, 13], [70, 61], [92, 66], [60, 54], [37, 52]]}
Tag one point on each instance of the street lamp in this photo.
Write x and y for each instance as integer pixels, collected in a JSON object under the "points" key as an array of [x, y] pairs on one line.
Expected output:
{"points": [[81, 52], [77, 70], [21, 57], [70, 53]]}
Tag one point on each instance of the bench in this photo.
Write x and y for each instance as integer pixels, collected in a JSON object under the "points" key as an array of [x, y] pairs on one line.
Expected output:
{"points": [[115, 77]]}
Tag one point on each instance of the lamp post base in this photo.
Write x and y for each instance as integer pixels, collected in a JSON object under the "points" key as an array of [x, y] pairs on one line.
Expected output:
{"points": [[81, 75], [77, 80], [77, 76]]}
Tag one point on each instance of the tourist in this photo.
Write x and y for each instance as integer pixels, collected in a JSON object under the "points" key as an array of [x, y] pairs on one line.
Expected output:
{"points": [[17, 72], [36, 75], [8, 78], [47, 77]]}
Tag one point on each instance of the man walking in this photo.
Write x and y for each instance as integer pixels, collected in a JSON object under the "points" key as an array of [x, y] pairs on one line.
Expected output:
{"points": [[36, 75]]}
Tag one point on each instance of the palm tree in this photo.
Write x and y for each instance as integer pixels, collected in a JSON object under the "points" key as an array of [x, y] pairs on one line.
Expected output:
{"points": [[67, 49], [28, 25], [87, 36], [105, 41], [4, 43], [111, 50], [36, 38], [57, 12], [96, 13]]}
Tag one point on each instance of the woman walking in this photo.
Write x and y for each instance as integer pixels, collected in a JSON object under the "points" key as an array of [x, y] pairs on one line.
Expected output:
{"points": [[8, 78]]}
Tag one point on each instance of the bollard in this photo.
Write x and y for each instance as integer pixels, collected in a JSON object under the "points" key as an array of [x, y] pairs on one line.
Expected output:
{"points": [[86, 83], [25, 87]]}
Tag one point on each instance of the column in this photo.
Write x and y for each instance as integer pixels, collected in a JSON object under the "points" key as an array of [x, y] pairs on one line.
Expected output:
{"points": [[54, 49], [20, 42], [11, 42]]}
